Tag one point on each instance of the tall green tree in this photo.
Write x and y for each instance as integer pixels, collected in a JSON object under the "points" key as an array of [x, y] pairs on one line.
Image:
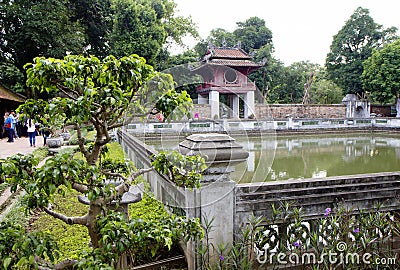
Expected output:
{"points": [[145, 26], [351, 46], [217, 37], [36, 28], [53, 28], [381, 76], [288, 86], [325, 91], [253, 34], [95, 16]]}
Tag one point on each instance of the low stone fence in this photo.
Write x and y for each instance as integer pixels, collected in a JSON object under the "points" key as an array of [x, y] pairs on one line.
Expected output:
{"points": [[232, 125], [231, 204]]}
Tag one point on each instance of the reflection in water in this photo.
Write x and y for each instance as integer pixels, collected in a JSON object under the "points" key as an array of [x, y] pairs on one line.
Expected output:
{"points": [[320, 156]]}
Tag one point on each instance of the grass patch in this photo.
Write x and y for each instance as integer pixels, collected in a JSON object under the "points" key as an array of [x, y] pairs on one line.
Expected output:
{"points": [[148, 209], [72, 240], [3, 187]]}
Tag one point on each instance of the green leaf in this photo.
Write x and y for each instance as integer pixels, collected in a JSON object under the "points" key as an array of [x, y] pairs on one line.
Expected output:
{"points": [[6, 262]]}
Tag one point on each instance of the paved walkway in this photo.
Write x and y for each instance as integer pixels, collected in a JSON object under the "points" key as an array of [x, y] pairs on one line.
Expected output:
{"points": [[20, 145]]}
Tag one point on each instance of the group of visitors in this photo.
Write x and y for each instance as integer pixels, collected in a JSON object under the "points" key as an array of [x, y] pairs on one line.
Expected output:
{"points": [[10, 120], [12, 128]]}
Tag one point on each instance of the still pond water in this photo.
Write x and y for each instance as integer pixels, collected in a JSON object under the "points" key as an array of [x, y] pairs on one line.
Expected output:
{"points": [[297, 157], [276, 158]]}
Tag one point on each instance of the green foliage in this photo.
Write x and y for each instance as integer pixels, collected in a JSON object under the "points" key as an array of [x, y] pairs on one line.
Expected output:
{"points": [[351, 46], [12, 78], [174, 106], [288, 86], [253, 34], [381, 76], [148, 209], [33, 28], [144, 26], [138, 235], [72, 240], [324, 91], [19, 250], [18, 214], [97, 27], [102, 86], [184, 171]]}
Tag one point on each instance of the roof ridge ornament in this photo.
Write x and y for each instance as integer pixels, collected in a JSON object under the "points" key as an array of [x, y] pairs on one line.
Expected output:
{"points": [[210, 45], [224, 43], [238, 45]]}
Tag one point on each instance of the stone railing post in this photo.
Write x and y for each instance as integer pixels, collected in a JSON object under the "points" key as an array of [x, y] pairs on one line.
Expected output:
{"points": [[216, 198]]}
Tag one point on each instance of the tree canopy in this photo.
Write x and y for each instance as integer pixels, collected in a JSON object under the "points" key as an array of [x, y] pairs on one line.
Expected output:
{"points": [[93, 27], [381, 76], [351, 46], [36, 28]]}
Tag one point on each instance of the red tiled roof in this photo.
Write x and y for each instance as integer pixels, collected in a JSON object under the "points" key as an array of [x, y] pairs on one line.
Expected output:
{"points": [[9, 95], [234, 63], [234, 53]]}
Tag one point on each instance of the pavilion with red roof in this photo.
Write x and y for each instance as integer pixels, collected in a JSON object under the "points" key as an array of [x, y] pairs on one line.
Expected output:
{"points": [[224, 72]]}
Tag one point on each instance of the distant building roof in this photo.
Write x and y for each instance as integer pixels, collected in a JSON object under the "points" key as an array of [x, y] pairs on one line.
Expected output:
{"points": [[226, 53], [231, 57], [9, 95]]}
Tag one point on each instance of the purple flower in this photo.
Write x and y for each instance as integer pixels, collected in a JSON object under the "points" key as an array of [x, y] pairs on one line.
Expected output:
{"points": [[296, 244], [356, 230], [221, 257], [327, 211]]}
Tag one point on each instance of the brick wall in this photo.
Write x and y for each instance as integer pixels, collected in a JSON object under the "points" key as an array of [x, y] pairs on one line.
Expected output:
{"points": [[300, 111], [203, 110]]}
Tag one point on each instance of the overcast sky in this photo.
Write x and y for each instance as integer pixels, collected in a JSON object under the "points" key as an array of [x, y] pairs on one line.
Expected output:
{"points": [[302, 29]]}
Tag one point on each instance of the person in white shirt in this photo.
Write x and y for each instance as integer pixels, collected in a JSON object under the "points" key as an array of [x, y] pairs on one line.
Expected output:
{"points": [[31, 132]]}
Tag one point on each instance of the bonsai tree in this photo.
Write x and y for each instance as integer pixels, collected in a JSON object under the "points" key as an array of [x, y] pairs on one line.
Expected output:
{"points": [[97, 93]]}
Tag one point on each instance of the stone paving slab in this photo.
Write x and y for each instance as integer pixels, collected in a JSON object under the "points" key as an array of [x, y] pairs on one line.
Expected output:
{"points": [[20, 145]]}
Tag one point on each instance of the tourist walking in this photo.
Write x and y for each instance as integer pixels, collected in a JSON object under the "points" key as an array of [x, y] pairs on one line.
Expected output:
{"points": [[15, 124], [31, 132], [9, 126]]}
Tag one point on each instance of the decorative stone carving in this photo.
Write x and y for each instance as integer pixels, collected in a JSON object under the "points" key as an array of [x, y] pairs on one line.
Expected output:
{"points": [[54, 142], [133, 195], [220, 151], [66, 136]]}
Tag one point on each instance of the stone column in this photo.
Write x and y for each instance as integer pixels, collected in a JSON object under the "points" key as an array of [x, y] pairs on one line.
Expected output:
{"points": [[249, 107], [214, 102], [398, 107], [235, 106], [216, 198]]}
